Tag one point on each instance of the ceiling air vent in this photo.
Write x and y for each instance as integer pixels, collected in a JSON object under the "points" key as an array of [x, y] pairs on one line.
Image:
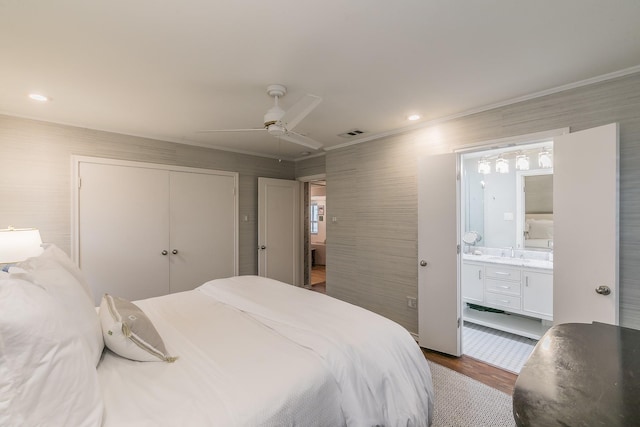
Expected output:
{"points": [[351, 133]]}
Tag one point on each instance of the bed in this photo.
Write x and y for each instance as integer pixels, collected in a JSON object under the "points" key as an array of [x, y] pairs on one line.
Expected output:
{"points": [[244, 351], [538, 231]]}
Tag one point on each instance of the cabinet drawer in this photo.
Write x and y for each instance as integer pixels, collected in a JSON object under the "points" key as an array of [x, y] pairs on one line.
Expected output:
{"points": [[504, 301], [503, 287], [503, 273]]}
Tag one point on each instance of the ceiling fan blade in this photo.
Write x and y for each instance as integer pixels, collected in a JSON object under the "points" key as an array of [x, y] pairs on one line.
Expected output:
{"points": [[301, 140], [230, 130], [299, 111]]}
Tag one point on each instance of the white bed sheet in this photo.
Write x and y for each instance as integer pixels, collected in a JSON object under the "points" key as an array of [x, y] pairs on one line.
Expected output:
{"points": [[382, 374], [257, 352], [231, 371]]}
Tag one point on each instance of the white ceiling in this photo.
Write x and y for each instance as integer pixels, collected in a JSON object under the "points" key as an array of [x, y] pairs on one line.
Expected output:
{"points": [[168, 69]]}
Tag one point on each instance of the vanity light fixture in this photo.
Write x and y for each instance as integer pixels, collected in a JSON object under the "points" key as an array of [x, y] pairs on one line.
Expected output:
{"points": [[544, 159], [484, 167], [522, 162], [502, 165]]}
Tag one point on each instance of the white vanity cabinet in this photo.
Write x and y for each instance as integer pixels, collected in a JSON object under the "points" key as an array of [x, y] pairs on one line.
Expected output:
{"points": [[524, 294], [502, 287], [537, 294], [473, 282]]}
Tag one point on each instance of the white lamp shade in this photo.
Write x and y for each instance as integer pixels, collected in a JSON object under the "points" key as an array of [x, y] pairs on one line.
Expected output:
{"points": [[18, 244]]}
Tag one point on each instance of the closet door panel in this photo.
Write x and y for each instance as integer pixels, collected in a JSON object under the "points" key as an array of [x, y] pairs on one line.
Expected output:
{"points": [[123, 229], [202, 230]]}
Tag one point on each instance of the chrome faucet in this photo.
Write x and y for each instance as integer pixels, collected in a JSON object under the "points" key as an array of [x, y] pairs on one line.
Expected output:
{"points": [[512, 254]]}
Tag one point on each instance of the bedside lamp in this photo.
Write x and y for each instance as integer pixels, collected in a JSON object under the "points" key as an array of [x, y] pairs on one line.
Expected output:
{"points": [[18, 244]]}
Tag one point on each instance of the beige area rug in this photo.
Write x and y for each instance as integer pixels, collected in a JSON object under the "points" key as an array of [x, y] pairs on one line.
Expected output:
{"points": [[461, 401]]}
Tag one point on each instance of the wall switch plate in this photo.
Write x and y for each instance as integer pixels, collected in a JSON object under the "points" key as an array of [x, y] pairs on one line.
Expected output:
{"points": [[412, 302]]}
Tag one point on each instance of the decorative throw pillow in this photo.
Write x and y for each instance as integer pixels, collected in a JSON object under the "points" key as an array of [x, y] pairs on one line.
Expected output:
{"points": [[47, 374], [128, 332], [54, 272]]}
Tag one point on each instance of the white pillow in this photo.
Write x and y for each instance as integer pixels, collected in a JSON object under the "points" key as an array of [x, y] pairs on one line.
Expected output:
{"points": [[540, 229], [58, 275], [47, 375], [128, 332]]}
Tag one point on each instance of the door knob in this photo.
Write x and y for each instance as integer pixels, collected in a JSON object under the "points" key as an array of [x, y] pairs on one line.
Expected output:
{"points": [[423, 263], [175, 251], [164, 252], [603, 290]]}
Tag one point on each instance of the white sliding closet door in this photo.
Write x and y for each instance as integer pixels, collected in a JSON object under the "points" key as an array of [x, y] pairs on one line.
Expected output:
{"points": [[123, 228], [202, 235]]}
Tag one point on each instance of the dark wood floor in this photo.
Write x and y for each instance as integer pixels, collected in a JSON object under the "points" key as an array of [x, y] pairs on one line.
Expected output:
{"points": [[486, 374]]}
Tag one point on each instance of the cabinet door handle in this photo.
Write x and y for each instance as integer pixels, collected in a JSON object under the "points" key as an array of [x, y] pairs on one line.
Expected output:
{"points": [[526, 280], [505, 301], [479, 274], [504, 287], [501, 273], [164, 252], [175, 251]]}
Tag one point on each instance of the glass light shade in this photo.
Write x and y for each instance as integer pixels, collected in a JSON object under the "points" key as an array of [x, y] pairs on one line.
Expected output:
{"points": [[544, 159], [522, 162], [502, 165], [18, 244], [484, 167]]}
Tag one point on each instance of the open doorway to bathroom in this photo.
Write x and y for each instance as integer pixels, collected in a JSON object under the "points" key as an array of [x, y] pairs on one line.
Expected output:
{"points": [[507, 259], [318, 234]]}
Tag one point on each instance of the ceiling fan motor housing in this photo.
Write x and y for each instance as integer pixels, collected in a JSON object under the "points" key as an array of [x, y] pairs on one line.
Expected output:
{"points": [[273, 115], [276, 129]]}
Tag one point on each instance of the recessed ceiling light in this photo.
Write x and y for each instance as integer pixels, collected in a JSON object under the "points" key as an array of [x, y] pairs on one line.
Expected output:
{"points": [[414, 117], [38, 97], [305, 153]]}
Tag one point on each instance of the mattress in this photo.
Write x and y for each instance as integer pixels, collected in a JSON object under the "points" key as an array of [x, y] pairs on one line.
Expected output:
{"points": [[257, 352]]}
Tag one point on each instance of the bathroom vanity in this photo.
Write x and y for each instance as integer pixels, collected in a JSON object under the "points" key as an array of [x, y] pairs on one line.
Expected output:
{"points": [[510, 291]]}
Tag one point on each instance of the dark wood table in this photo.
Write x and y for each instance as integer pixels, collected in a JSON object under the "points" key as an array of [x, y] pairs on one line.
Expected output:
{"points": [[581, 375]]}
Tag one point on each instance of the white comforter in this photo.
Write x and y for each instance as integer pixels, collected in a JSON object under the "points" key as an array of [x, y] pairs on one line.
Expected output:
{"points": [[255, 351]]}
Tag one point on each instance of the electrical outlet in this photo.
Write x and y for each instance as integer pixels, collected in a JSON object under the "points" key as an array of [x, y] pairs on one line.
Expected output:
{"points": [[412, 302]]}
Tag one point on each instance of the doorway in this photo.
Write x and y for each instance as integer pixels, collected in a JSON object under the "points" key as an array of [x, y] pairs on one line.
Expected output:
{"points": [[318, 234], [507, 243], [314, 218], [583, 284]]}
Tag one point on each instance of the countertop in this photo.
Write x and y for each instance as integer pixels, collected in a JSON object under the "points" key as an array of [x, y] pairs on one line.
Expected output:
{"points": [[505, 260]]}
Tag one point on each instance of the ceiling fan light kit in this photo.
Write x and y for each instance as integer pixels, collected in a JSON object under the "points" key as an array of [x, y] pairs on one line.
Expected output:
{"points": [[280, 123]]}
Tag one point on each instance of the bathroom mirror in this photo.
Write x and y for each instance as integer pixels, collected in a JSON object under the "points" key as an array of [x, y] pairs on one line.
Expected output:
{"points": [[493, 202], [535, 209]]}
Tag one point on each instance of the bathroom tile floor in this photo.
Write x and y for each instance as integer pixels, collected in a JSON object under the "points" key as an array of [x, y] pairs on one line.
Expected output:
{"points": [[501, 349]]}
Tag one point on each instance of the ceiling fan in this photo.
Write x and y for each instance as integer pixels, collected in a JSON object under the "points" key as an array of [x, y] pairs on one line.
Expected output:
{"points": [[280, 123]]}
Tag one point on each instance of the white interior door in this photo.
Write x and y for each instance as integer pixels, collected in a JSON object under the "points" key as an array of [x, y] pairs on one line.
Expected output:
{"points": [[585, 211], [127, 223], [438, 288], [203, 244], [279, 230]]}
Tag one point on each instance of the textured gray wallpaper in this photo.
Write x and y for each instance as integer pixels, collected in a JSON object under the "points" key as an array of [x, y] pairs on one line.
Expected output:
{"points": [[372, 190], [35, 176]]}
